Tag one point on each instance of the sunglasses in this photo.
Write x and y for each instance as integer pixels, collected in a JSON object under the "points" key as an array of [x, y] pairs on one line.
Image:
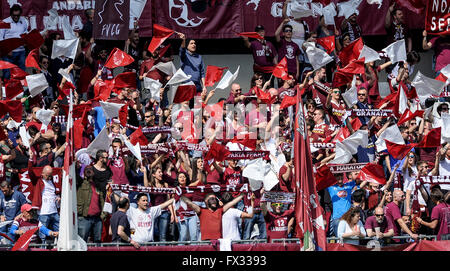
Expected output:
{"points": [[337, 92], [277, 204], [379, 215], [361, 94], [240, 89], [288, 30], [444, 108]]}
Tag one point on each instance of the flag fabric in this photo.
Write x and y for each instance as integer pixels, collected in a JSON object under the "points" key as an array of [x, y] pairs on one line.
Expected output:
{"points": [[4, 25], [134, 149], [351, 52], [401, 102], [373, 173], [6, 65], [14, 108], [111, 110], [123, 115], [160, 34], [445, 129], [328, 43], [68, 32], [18, 73], [317, 57], [178, 77], [308, 213], [426, 86], [24, 241], [264, 97], [408, 115], [354, 67], [215, 110], [369, 54], [416, 6], [13, 88], [163, 51], [281, 70], [350, 96], [101, 142], [67, 48], [324, 178], [431, 140], [125, 80], [33, 39], [398, 151], [348, 8], [392, 133], [288, 101], [102, 89], [118, 58], [228, 79], [154, 87], [68, 239], [32, 59], [252, 35], [165, 67], [138, 137], [396, 51], [36, 83], [8, 45], [185, 92], [213, 75]]}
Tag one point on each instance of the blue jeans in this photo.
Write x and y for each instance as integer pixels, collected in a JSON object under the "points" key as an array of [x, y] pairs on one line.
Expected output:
{"points": [[17, 58], [334, 223], [88, 224], [5, 230], [188, 229], [50, 221], [258, 218], [162, 223]]}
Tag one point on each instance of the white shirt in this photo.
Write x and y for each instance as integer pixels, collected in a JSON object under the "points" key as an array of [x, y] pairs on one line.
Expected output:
{"points": [[230, 220], [15, 31], [412, 188], [48, 199], [143, 223], [407, 180], [344, 227], [444, 170]]}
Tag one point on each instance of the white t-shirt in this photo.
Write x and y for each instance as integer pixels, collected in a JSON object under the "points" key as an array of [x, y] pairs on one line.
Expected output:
{"points": [[444, 170], [407, 180], [412, 188], [230, 220], [48, 199], [143, 223]]}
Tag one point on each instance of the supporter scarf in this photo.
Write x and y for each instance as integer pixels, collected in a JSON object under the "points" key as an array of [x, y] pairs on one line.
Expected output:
{"points": [[372, 112], [156, 130], [321, 145], [338, 168], [280, 197], [322, 87], [181, 190]]}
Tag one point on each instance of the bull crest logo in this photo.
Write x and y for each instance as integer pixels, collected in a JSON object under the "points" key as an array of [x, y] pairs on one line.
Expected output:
{"points": [[183, 10]]}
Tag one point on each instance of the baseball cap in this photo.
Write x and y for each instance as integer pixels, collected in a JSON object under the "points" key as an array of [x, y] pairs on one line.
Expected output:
{"points": [[25, 207], [259, 28]]}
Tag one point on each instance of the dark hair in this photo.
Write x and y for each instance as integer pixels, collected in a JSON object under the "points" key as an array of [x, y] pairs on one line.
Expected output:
{"points": [[99, 155], [255, 75], [187, 178], [287, 26], [354, 210], [439, 108], [116, 140], [436, 194], [259, 28], [227, 197], [140, 195], [358, 195], [122, 203], [413, 57], [15, 7]]}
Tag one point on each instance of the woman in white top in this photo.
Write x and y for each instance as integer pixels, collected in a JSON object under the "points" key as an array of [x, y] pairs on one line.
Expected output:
{"points": [[350, 227], [409, 170]]}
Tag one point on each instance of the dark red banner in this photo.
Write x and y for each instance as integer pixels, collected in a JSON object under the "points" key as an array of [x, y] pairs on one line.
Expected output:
{"points": [[201, 19], [437, 19], [111, 19]]}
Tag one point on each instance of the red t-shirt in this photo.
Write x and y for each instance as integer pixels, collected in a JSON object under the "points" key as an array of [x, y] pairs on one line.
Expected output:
{"points": [[233, 177], [211, 223], [320, 131], [441, 212], [392, 211], [277, 225], [336, 112], [285, 186]]}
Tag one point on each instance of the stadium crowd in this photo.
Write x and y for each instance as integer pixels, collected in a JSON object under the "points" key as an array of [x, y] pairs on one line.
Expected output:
{"points": [[354, 205]]}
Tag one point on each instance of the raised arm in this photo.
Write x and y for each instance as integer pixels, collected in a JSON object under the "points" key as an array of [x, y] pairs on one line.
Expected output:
{"points": [[232, 203], [166, 203], [191, 205]]}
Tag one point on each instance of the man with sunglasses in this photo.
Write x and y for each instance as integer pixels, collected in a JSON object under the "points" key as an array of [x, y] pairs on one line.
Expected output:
{"points": [[288, 48], [235, 94], [278, 222], [379, 225], [392, 211], [363, 103]]}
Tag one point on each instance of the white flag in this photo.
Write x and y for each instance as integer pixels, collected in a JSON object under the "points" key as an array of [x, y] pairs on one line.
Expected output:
{"points": [[136, 8], [178, 77], [67, 48], [111, 110], [369, 54], [329, 12], [36, 83], [228, 79], [101, 142], [445, 128], [166, 67], [378, 2], [392, 134], [426, 87], [446, 72], [66, 75], [45, 116], [317, 57], [154, 86], [396, 51], [351, 95], [403, 101], [342, 155], [298, 10], [134, 149], [24, 136], [67, 29], [348, 8], [358, 138]]}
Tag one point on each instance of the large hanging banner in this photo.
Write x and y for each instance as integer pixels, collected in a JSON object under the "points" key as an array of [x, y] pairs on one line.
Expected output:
{"points": [[111, 20], [437, 19], [201, 19]]}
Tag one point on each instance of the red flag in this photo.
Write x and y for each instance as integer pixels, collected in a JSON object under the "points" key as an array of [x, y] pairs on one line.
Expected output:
{"points": [[33, 39], [215, 110], [13, 88], [324, 178], [398, 151], [351, 52], [390, 99], [18, 73], [4, 25], [160, 34], [328, 43], [102, 89], [246, 141], [24, 241], [6, 65], [184, 93], [123, 115], [265, 97], [308, 212], [14, 108], [32, 59], [253, 35], [373, 173], [8, 45], [213, 75], [138, 137], [341, 78], [163, 51], [118, 58], [408, 115], [432, 139], [125, 80], [78, 128], [217, 152], [288, 101], [281, 70], [354, 67], [441, 77]]}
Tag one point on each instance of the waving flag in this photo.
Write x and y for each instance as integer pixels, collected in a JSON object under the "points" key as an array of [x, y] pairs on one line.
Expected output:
{"points": [[24, 241], [308, 213], [408, 115], [68, 239], [32, 59], [373, 173], [118, 58], [351, 52], [328, 43], [252, 35], [281, 70], [213, 75], [160, 34]]}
